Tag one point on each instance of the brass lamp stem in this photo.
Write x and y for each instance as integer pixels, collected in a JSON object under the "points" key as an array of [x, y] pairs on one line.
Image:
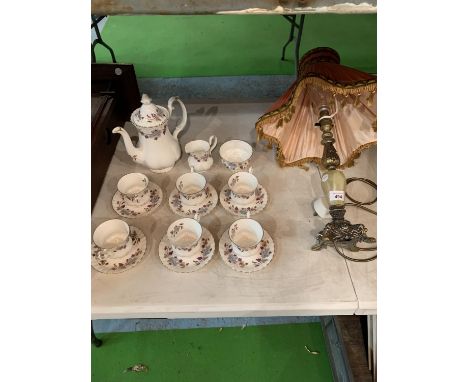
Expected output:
{"points": [[339, 232], [330, 158]]}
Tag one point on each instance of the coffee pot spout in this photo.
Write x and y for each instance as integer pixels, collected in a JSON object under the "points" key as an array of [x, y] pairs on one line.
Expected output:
{"points": [[134, 152]]}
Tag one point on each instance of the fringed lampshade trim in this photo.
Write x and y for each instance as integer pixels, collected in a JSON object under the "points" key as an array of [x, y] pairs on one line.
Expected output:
{"points": [[301, 162]]}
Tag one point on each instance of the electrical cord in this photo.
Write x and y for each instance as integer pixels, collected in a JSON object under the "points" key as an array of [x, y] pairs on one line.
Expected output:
{"points": [[354, 259], [358, 204]]}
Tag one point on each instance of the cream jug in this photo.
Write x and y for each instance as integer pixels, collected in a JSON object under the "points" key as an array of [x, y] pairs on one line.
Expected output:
{"points": [[157, 148], [199, 153]]}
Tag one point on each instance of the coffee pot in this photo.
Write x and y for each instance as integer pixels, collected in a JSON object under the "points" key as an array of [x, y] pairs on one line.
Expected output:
{"points": [[157, 148]]}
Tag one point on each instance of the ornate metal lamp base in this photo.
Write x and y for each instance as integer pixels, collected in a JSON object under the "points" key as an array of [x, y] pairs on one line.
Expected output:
{"points": [[340, 232]]}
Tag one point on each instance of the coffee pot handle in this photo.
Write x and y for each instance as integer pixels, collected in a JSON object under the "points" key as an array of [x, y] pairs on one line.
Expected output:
{"points": [[182, 124], [213, 141]]}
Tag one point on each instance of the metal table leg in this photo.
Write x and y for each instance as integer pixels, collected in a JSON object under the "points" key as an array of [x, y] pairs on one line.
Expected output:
{"points": [[298, 40], [95, 20], [94, 340], [300, 27], [291, 34]]}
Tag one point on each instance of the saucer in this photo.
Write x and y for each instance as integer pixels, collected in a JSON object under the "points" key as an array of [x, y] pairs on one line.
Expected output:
{"points": [[202, 209], [261, 200], [187, 264], [132, 211], [132, 258], [251, 263]]}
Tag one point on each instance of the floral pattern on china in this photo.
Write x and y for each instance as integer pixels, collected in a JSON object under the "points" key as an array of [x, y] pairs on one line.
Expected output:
{"points": [[179, 227], [172, 259], [234, 229], [262, 257], [176, 205], [236, 154], [155, 134], [258, 205], [201, 156], [235, 166], [176, 229], [234, 180], [199, 153], [158, 116], [254, 263], [195, 194], [151, 123], [134, 257], [193, 263], [155, 199]]}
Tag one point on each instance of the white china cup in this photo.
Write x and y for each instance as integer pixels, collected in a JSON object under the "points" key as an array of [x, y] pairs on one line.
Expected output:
{"points": [[192, 188], [184, 235], [134, 188], [245, 235], [113, 239], [243, 185], [236, 154], [199, 153]]}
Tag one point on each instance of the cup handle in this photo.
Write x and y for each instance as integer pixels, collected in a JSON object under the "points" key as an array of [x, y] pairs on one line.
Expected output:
{"points": [[248, 214], [250, 170], [192, 169], [197, 217], [213, 141]]}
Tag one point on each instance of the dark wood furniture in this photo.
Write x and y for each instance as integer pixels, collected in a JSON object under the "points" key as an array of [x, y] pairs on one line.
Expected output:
{"points": [[344, 337], [114, 95]]}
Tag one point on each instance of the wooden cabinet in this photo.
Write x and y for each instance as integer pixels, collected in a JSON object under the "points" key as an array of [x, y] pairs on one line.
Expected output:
{"points": [[114, 95]]}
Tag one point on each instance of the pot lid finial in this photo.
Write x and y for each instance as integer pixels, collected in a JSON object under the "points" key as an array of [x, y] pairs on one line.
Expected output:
{"points": [[149, 115], [145, 99], [147, 108]]}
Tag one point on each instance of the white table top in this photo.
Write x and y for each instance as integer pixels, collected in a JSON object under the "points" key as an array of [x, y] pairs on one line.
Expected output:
{"points": [[296, 282]]}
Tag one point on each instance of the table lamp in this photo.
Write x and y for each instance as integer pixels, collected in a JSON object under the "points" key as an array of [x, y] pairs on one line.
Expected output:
{"points": [[339, 233], [327, 116]]}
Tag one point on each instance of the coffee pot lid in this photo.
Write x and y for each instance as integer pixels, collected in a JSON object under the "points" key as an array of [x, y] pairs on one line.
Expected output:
{"points": [[149, 115]]}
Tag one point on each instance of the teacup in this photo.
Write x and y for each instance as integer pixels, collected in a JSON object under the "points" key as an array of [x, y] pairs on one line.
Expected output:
{"points": [[245, 235], [199, 152], [236, 154], [243, 185], [184, 236], [192, 188], [134, 188], [113, 239]]}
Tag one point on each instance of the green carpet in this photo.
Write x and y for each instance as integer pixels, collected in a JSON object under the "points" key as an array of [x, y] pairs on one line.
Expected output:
{"points": [[267, 353], [193, 46]]}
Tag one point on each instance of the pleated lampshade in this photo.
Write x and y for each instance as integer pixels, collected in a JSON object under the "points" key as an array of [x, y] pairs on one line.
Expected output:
{"points": [[351, 94]]}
